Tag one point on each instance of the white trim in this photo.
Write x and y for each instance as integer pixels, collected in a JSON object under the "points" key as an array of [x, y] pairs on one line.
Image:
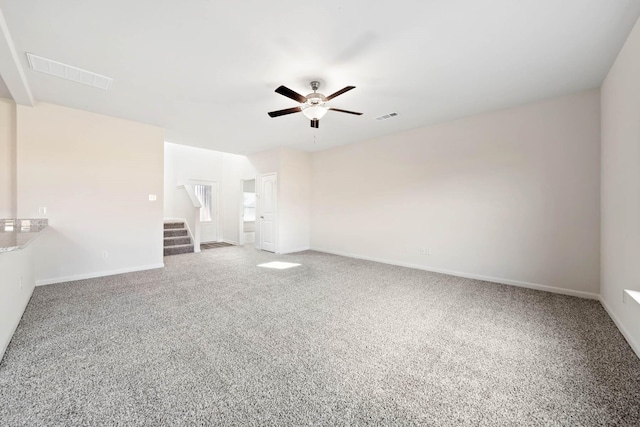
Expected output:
{"points": [[196, 248], [291, 251], [635, 346], [500, 280], [231, 242], [241, 214], [11, 68], [44, 282]]}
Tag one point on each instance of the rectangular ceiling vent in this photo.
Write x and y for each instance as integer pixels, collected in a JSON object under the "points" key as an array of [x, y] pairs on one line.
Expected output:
{"points": [[68, 72], [387, 116]]}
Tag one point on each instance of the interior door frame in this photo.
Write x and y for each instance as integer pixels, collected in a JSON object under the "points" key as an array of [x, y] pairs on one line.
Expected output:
{"points": [[213, 184], [241, 211], [259, 212]]}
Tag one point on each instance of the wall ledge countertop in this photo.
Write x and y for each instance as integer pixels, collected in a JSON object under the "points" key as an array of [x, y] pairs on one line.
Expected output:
{"points": [[16, 234]]}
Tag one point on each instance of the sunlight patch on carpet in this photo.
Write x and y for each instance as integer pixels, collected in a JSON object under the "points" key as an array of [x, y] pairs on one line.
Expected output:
{"points": [[278, 264]]}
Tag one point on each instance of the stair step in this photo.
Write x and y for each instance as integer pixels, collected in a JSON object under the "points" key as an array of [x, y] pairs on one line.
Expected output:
{"points": [[178, 249], [171, 225], [176, 232], [179, 240]]}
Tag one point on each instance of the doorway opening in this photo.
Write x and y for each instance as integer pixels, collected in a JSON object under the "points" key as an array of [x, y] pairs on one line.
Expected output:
{"points": [[207, 194], [248, 212]]}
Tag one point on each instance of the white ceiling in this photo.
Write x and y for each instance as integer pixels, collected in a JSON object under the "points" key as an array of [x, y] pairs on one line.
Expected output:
{"points": [[206, 70]]}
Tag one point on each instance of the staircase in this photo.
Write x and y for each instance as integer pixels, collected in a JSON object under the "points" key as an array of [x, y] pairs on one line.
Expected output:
{"points": [[176, 239]]}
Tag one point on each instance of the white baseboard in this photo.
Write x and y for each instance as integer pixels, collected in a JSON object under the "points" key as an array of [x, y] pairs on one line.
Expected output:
{"points": [[52, 281], [500, 280], [635, 346], [231, 242], [292, 251]]}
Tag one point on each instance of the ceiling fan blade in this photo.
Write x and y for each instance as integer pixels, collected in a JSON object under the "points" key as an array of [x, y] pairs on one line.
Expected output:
{"points": [[340, 92], [315, 123], [285, 112], [346, 111], [283, 90]]}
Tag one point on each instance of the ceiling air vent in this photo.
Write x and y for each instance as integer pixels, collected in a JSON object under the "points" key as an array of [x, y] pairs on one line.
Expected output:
{"points": [[387, 116], [68, 72]]}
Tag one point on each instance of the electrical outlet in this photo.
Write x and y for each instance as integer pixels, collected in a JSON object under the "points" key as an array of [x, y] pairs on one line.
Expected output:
{"points": [[153, 197], [42, 211], [105, 254]]}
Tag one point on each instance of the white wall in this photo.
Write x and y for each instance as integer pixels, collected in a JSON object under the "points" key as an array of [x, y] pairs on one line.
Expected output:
{"points": [[7, 158], [621, 188], [512, 196], [183, 163], [294, 188], [94, 174], [186, 206]]}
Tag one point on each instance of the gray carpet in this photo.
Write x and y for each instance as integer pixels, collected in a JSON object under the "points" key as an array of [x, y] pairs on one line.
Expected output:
{"points": [[214, 340], [214, 245]]}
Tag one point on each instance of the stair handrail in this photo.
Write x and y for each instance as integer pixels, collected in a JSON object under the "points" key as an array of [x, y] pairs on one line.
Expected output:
{"points": [[191, 192]]}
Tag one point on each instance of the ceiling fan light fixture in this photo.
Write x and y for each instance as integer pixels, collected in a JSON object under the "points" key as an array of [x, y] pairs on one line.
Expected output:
{"points": [[314, 111]]}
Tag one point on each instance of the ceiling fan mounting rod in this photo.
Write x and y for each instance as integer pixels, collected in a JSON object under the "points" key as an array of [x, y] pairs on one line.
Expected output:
{"points": [[315, 85]]}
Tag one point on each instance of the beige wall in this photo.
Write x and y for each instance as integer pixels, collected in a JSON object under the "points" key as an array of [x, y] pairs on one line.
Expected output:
{"points": [[94, 174], [294, 200], [621, 188], [511, 196], [7, 158]]}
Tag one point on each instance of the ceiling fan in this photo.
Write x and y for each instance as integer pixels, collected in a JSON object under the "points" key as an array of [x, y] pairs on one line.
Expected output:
{"points": [[313, 105]]}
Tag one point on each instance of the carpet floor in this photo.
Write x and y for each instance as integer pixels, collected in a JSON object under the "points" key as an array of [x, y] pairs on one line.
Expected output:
{"points": [[212, 339], [214, 245]]}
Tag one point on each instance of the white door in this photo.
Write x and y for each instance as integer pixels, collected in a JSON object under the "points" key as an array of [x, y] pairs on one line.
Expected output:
{"points": [[268, 212], [207, 193]]}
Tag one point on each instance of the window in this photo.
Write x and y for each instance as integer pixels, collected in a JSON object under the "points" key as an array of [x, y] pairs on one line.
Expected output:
{"points": [[249, 206]]}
